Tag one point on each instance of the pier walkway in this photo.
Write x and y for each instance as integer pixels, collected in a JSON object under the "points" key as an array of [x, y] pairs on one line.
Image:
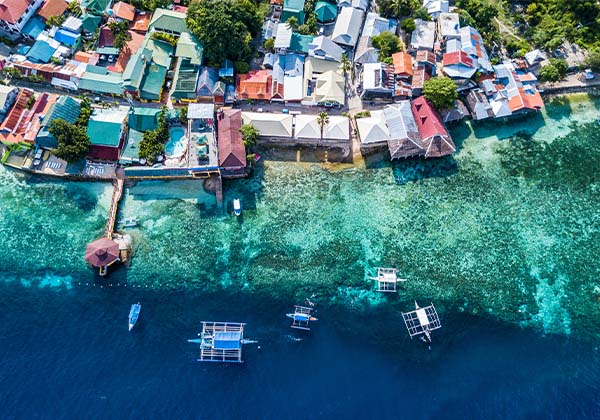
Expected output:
{"points": [[114, 206]]}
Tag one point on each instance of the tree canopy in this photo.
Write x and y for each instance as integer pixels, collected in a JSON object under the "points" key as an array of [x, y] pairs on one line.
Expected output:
{"points": [[153, 141], [593, 60], [397, 8], [441, 91], [120, 33], [554, 71], [249, 135], [225, 27], [73, 141], [387, 43]]}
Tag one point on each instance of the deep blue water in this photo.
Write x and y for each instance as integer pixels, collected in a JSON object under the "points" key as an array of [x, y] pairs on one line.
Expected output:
{"points": [[68, 354]]}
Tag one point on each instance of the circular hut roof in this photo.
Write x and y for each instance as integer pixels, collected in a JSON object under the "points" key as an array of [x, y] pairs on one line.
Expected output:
{"points": [[102, 252], [326, 12]]}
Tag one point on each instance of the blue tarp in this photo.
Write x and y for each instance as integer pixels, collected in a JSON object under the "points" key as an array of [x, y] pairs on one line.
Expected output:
{"points": [[34, 27], [66, 37], [227, 340]]}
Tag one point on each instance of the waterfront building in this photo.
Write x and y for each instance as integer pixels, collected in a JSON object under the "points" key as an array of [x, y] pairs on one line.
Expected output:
{"points": [[107, 131], [65, 108], [308, 130], [479, 105], [270, 125], [23, 122], [404, 137], [436, 139], [232, 153]]}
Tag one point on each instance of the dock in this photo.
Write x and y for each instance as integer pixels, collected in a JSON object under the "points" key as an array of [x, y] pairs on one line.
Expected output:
{"points": [[114, 207]]}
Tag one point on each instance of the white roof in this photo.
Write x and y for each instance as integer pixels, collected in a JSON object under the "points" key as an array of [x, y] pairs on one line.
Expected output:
{"points": [[449, 25], [347, 26], [400, 120], [358, 4], [283, 37], [4, 92], [325, 48], [500, 107], [375, 24], [370, 70], [472, 44], [292, 88], [114, 115], [459, 71], [337, 129], [423, 35], [373, 130], [200, 111], [73, 24], [268, 124], [330, 87], [307, 127], [436, 6], [534, 56], [453, 45]]}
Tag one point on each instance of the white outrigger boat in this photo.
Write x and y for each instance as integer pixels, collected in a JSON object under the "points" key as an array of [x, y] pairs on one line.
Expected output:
{"points": [[134, 314], [237, 207], [129, 222], [301, 317]]}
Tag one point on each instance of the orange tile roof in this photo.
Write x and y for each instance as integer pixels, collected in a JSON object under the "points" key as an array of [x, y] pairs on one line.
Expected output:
{"points": [[127, 51], [402, 63], [12, 10], [22, 124], [83, 57], [140, 22], [124, 11], [52, 8], [254, 85], [532, 100]]}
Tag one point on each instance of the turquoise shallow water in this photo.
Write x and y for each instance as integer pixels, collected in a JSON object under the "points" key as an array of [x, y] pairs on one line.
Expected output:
{"points": [[507, 227]]}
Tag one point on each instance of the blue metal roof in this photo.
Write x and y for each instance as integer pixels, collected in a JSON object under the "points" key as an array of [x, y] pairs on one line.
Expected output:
{"points": [[227, 340], [34, 27], [66, 37], [40, 52]]}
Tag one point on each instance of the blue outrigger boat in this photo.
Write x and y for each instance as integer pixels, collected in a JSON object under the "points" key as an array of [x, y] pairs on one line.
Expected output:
{"points": [[134, 314]]}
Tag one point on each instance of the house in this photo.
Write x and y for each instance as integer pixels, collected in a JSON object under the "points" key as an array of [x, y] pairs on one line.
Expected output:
{"points": [[403, 67], [23, 122], [203, 114], [372, 130], [139, 120], [449, 26], [509, 95], [67, 37], [472, 44], [283, 37], [207, 79], [189, 54], [436, 140], [374, 25], [254, 85], [404, 137], [13, 117], [43, 49], [95, 7], [168, 22], [459, 65], [479, 105], [325, 48], [270, 125], [347, 27], [299, 43], [423, 36], [378, 80], [436, 7], [357, 4], [72, 24], [158, 64], [276, 8], [456, 113], [65, 108], [307, 128], [420, 76], [141, 22], [323, 82], [33, 28], [123, 11], [293, 8], [326, 12], [106, 131], [426, 59], [52, 8], [90, 22], [14, 15], [534, 57], [8, 96], [69, 75], [231, 150]]}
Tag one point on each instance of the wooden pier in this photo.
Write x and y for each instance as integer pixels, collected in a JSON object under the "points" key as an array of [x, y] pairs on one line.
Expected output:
{"points": [[114, 207]]}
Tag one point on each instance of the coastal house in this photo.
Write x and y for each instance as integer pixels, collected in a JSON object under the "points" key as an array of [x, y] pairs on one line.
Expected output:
{"points": [[270, 125], [14, 116], [449, 26], [14, 15], [293, 8], [65, 108], [308, 130], [8, 96], [33, 28], [168, 22], [326, 11], [472, 43], [373, 131], [404, 137], [323, 47], [423, 36], [479, 105], [426, 59], [436, 7], [436, 139], [139, 120], [509, 95], [107, 130], [189, 54], [231, 150], [374, 25], [403, 65], [255, 85], [347, 27], [377, 80], [459, 65]]}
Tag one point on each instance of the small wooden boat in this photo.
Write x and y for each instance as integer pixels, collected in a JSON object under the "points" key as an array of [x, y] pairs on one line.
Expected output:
{"points": [[237, 207], [134, 314], [129, 222]]}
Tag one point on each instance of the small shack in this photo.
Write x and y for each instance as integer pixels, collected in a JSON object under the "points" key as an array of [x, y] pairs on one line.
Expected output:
{"points": [[102, 253], [221, 342]]}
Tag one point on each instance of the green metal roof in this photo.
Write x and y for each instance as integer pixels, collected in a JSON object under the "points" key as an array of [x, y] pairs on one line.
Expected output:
{"points": [[132, 148], [184, 80], [153, 82], [299, 43], [326, 11], [107, 82], [143, 119], [134, 71], [95, 6], [104, 127], [89, 23], [161, 51], [293, 5], [190, 47], [293, 8], [108, 51], [65, 108], [168, 21]]}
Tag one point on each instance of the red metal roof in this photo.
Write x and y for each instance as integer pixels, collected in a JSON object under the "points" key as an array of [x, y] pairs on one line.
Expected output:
{"points": [[457, 57], [232, 153], [52, 8], [124, 11], [12, 10], [436, 140]]}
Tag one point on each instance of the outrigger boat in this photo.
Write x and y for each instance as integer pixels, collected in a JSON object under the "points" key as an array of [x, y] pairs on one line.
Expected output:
{"points": [[237, 207], [422, 321], [301, 317], [129, 222], [134, 314]]}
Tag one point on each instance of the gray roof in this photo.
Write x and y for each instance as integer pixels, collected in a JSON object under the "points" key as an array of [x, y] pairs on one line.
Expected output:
{"points": [[347, 26], [201, 111], [423, 36], [449, 25], [325, 48]]}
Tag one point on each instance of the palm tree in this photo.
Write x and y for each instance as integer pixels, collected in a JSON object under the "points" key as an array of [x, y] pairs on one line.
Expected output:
{"points": [[322, 120], [345, 63]]}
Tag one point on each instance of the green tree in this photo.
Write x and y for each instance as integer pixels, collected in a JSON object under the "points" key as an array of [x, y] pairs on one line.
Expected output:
{"points": [[150, 147], [292, 23], [421, 13], [387, 43], [561, 65], [120, 33], [85, 112], [592, 61], [183, 119], [322, 120], [73, 141], [249, 135], [549, 73], [55, 20], [345, 63], [74, 8], [270, 45], [441, 92], [408, 25]]}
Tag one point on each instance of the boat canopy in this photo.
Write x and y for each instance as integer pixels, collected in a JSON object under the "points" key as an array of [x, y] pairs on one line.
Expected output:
{"points": [[227, 340]]}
